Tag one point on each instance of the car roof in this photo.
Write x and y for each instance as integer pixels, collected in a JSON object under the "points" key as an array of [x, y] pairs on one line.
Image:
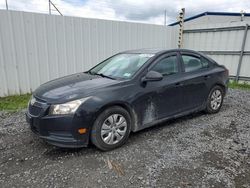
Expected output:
{"points": [[158, 51]]}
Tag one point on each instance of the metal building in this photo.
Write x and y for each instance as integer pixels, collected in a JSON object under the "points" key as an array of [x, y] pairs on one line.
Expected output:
{"points": [[224, 37], [215, 18]]}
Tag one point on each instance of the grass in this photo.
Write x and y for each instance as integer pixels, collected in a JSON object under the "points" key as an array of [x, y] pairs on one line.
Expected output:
{"points": [[235, 85], [14, 103]]}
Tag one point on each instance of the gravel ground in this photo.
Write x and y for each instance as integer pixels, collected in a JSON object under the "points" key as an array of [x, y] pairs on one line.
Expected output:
{"points": [[198, 150]]}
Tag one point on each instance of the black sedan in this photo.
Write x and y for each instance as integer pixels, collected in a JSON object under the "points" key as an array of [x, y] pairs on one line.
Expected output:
{"points": [[127, 92]]}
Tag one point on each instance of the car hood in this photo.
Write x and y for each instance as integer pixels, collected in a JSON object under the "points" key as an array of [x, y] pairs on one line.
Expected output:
{"points": [[72, 87]]}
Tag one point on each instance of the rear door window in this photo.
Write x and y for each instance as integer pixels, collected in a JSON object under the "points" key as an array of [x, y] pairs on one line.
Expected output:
{"points": [[192, 63]]}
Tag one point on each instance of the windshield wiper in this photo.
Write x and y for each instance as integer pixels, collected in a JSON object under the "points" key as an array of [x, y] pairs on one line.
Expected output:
{"points": [[100, 74]]}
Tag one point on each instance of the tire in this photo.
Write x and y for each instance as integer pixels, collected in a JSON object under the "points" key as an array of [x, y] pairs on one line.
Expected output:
{"points": [[109, 130], [214, 102]]}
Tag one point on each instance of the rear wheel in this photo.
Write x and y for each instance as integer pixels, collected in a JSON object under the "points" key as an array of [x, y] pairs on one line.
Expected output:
{"points": [[111, 128], [215, 100]]}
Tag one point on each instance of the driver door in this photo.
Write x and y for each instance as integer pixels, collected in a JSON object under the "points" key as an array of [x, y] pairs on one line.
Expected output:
{"points": [[167, 98]]}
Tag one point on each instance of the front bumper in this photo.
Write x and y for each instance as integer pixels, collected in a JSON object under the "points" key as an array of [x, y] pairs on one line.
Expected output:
{"points": [[61, 131]]}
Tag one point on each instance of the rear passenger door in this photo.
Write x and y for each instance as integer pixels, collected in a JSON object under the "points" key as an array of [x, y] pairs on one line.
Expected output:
{"points": [[195, 76]]}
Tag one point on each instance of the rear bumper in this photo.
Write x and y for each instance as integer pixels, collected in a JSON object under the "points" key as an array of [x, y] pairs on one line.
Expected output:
{"points": [[61, 131]]}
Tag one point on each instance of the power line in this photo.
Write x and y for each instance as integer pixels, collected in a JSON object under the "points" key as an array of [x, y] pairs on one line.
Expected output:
{"points": [[55, 8], [51, 3], [106, 7]]}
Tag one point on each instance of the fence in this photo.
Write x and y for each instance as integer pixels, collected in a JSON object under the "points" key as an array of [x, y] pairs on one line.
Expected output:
{"points": [[227, 43], [35, 48]]}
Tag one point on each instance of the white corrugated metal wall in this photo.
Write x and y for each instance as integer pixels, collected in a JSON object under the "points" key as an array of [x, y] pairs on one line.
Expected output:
{"points": [[35, 48], [219, 41]]}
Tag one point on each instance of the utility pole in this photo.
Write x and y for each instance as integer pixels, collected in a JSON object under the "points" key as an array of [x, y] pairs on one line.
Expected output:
{"points": [[242, 14], [6, 2], [165, 17], [181, 24], [49, 7]]}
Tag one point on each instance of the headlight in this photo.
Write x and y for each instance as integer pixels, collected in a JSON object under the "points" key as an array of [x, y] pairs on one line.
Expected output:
{"points": [[67, 108]]}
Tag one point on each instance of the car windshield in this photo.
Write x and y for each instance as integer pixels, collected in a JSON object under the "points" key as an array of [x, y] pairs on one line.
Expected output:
{"points": [[121, 65]]}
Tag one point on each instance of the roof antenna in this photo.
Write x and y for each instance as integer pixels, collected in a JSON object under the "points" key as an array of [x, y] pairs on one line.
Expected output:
{"points": [[242, 12]]}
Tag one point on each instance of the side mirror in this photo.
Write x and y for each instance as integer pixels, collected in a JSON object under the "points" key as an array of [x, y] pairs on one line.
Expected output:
{"points": [[152, 76]]}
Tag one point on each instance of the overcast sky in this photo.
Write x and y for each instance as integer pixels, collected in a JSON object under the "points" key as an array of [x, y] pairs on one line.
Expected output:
{"points": [[146, 11]]}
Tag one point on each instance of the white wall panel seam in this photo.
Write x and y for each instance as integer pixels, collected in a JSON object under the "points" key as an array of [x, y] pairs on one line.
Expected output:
{"points": [[13, 48], [36, 51], [25, 56]]}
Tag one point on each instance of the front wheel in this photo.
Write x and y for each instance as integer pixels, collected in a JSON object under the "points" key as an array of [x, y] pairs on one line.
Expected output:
{"points": [[215, 100], [111, 128]]}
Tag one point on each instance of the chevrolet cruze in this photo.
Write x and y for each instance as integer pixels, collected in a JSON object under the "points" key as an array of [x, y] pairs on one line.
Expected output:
{"points": [[125, 93]]}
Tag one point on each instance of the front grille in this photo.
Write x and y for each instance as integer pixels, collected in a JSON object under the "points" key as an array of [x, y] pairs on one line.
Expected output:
{"points": [[35, 110]]}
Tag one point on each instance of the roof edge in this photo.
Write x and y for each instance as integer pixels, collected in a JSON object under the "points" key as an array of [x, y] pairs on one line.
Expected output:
{"points": [[211, 13]]}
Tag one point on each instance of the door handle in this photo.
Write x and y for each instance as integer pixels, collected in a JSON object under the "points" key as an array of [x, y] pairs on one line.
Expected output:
{"points": [[179, 84], [207, 77]]}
